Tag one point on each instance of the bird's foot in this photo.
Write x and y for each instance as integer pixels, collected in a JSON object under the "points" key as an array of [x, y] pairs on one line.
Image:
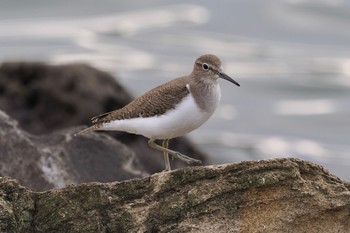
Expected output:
{"points": [[185, 158]]}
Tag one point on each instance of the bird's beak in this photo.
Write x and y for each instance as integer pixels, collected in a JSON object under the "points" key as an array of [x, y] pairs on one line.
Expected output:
{"points": [[228, 78]]}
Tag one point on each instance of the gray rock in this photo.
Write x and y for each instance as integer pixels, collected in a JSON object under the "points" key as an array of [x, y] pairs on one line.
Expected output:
{"points": [[44, 98], [19, 157], [280, 195], [58, 159]]}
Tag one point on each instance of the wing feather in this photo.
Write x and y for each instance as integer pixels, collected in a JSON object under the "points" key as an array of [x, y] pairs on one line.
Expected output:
{"points": [[148, 105]]}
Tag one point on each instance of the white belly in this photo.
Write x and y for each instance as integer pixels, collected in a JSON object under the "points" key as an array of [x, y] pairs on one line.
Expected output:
{"points": [[174, 123]]}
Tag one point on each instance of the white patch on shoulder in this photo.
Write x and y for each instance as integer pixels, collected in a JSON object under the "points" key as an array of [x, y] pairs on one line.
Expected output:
{"points": [[188, 87]]}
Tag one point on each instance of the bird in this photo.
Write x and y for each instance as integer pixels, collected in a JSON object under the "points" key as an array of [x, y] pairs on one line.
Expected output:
{"points": [[170, 110]]}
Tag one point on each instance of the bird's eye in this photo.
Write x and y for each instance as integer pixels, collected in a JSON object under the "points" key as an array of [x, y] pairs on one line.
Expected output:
{"points": [[205, 66]]}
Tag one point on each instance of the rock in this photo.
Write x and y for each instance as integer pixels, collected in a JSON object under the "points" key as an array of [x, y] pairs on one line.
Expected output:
{"points": [[58, 159], [279, 195], [44, 98]]}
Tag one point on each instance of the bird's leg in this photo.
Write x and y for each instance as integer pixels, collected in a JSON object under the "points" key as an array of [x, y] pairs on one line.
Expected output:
{"points": [[166, 155], [176, 154]]}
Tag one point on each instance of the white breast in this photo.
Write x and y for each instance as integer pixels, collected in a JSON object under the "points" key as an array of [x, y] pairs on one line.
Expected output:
{"points": [[186, 117]]}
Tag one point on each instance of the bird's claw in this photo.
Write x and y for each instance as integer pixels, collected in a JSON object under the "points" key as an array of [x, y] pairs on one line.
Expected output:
{"points": [[185, 158]]}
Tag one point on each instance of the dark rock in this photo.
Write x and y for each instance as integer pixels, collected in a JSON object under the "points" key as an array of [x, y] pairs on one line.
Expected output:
{"points": [[58, 159], [280, 195], [44, 98]]}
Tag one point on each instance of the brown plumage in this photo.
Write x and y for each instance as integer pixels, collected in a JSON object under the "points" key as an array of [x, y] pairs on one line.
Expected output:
{"points": [[147, 105]]}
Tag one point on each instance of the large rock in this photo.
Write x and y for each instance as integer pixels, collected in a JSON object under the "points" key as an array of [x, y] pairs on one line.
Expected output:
{"points": [[44, 98], [58, 159], [280, 195]]}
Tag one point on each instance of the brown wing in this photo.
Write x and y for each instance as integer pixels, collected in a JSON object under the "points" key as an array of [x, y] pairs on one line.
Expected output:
{"points": [[153, 103]]}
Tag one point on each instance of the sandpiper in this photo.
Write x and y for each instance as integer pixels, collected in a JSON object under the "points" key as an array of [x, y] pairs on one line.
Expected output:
{"points": [[170, 110]]}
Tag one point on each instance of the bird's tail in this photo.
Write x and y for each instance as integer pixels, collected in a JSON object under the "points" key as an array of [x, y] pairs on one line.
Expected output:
{"points": [[87, 130]]}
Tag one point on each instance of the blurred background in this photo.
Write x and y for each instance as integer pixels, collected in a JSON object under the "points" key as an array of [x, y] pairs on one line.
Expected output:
{"points": [[291, 57]]}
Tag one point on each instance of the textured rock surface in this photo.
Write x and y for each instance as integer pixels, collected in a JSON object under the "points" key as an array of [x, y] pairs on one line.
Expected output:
{"points": [[44, 98], [281, 195], [59, 159]]}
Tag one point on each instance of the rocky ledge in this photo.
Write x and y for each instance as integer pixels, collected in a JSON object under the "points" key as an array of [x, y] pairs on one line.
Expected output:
{"points": [[279, 195]]}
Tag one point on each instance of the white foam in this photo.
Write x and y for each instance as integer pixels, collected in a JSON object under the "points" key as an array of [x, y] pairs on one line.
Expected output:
{"points": [[305, 107]]}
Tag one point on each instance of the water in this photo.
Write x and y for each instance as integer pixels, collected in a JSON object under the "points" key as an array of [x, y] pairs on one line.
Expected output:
{"points": [[291, 57]]}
